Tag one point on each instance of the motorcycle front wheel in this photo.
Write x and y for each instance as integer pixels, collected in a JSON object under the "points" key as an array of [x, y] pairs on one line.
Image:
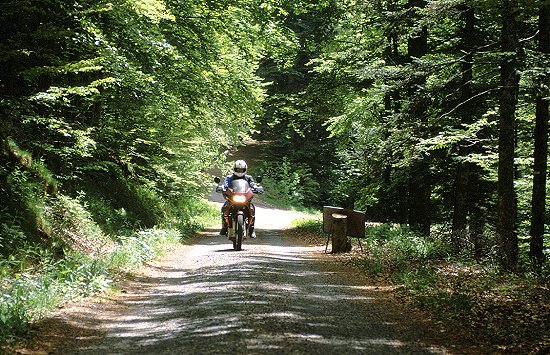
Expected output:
{"points": [[237, 243]]}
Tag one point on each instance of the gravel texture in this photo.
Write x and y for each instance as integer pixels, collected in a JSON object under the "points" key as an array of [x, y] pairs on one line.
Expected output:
{"points": [[276, 296]]}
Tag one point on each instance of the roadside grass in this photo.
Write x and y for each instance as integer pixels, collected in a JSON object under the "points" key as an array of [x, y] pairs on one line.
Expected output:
{"points": [[79, 259], [31, 288], [505, 312], [32, 291], [310, 225]]}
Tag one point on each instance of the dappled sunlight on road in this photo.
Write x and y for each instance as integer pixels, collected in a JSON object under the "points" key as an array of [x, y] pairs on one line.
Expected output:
{"points": [[275, 296], [272, 297]]}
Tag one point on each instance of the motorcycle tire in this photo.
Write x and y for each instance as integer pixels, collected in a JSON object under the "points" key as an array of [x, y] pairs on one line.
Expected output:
{"points": [[239, 233]]}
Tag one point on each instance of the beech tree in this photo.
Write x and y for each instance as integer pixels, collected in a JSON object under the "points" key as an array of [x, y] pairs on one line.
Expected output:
{"points": [[538, 202], [509, 80]]}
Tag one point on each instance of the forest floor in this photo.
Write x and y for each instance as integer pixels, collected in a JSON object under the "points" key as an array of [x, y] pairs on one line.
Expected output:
{"points": [[280, 294], [486, 312]]}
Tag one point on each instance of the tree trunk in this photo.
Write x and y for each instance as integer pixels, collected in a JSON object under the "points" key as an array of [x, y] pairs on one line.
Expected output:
{"points": [[460, 212], [538, 204], [477, 220], [420, 178], [388, 204], [509, 79], [340, 241]]}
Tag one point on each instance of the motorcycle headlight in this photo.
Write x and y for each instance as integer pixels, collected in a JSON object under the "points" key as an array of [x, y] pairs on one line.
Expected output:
{"points": [[239, 198]]}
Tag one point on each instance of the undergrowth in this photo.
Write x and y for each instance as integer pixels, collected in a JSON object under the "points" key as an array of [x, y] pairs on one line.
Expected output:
{"points": [[308, 225], [503, 311], [288, 186], [79, 257], [31, 291]]}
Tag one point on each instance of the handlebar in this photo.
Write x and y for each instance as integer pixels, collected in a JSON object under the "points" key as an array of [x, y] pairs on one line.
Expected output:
{"points": [[256, 190]]}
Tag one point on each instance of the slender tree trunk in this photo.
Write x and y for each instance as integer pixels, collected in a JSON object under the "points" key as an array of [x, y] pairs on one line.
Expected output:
{"points": [[538, 204], [460, 212], [509, 79], [389, 204], [477, 220], [420, 190], [420, 213]]}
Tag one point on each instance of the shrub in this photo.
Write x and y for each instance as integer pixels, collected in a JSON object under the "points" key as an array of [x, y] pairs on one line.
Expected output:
{"points": [[141, 247], [308, 224], [288, 184], [395, 248], [29, 293]]}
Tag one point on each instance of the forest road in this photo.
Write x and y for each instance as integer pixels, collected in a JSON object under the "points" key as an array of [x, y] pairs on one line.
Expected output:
{"points": [[276, 296]]}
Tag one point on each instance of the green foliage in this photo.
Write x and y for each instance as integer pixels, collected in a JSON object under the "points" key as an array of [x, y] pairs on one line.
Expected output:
{"points": [[192, 215], [25, 193], [35, 280], [288, 184], [72, 220], [38, 287], [143, 246], [80, 258], [112, 112], [391, 104], [308, 225], [296, 107], [395, 249], [11, 237], [129, 102]]}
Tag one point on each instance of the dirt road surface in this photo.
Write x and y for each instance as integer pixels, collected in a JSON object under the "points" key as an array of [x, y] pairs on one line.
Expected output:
{"points": [[276, 296]]}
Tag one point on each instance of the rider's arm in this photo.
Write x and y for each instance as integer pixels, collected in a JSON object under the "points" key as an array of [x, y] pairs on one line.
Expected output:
{"points": [[227, 181], [250, 181]]}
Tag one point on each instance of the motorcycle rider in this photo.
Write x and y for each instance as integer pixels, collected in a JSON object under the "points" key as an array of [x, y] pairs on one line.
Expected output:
{"points": [[239, 172]]}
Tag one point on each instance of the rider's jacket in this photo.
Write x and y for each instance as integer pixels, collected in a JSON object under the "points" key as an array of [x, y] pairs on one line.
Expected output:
{"points": [[229, 178]]}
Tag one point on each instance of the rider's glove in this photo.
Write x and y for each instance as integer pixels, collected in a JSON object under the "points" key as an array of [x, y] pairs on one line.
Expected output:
{"points": [[259, 190]]}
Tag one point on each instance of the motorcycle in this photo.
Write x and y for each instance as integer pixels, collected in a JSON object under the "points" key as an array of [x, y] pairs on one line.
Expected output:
{"points": [[239, 195]]}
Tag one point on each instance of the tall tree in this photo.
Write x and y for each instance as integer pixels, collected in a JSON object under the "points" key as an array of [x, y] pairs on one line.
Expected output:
{"points": [[509, 83], [460, 210], [420, 183], [388, 203], [538, 201]]}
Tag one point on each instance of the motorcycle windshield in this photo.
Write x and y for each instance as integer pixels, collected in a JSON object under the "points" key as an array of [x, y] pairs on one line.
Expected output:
{"points": [[239, 185]]}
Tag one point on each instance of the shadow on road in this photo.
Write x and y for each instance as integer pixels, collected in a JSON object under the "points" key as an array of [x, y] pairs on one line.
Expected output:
{"points": [[273, 297]]}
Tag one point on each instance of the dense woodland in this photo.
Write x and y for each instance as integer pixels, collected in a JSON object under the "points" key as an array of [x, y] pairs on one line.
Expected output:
{"points": [[432, 114], [429, 113], [120, 106]]}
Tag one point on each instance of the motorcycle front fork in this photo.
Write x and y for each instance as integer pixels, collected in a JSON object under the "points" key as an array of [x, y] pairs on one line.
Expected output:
{"points": [[232, 226]]}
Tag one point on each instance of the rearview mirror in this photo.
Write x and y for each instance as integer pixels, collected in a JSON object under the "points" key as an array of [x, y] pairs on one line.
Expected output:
{"points": [[259, 179], [217, 180]]}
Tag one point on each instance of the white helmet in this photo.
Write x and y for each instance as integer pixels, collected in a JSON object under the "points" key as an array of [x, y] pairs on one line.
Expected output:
{"points": [[239, 169]]}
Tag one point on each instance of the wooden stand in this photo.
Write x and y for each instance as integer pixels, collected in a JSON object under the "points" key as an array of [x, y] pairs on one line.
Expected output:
{"points": [[341, 223], [340, 242]]}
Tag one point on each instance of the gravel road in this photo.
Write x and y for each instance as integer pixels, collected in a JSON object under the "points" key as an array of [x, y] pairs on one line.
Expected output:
{"points": [[276, 296]]}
